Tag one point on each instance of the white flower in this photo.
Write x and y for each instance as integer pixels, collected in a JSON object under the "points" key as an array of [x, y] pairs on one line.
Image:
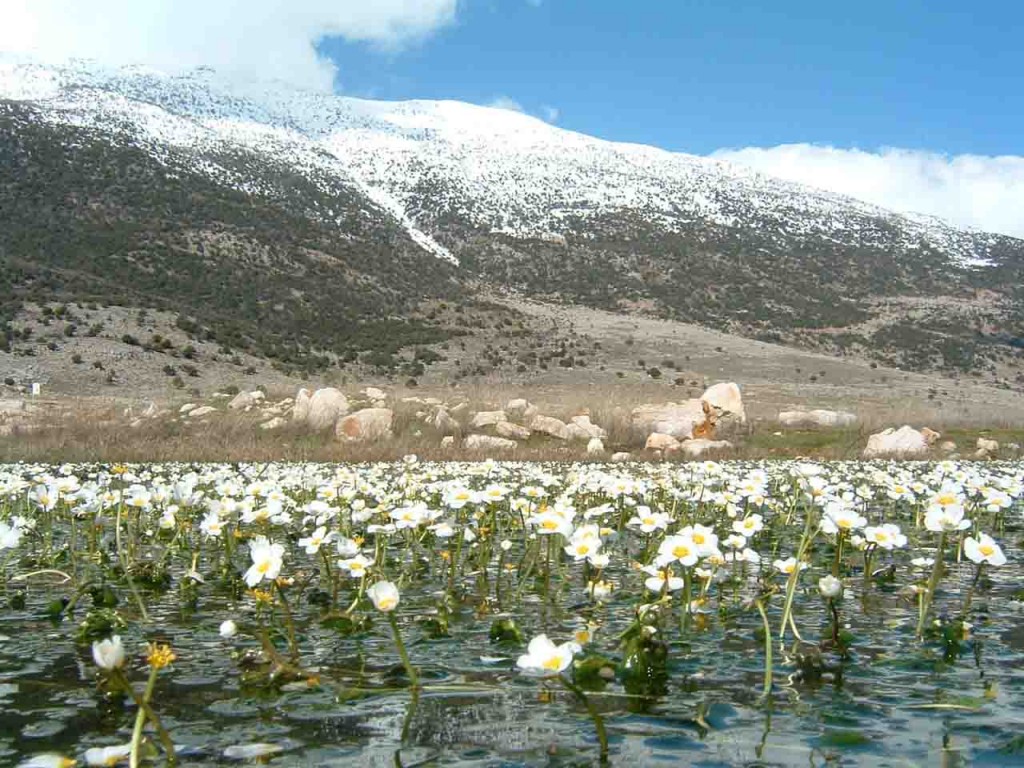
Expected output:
{"points": [[657, 579], [788, 565], [946, 518], [600, 590], [885, 536], [678, 548], [839, 517], [384, 595], [49, 760], [313, 543], [356, 566], [267, 560], [228, 629], [109, 654], [107, 756], [545, 659], [749, 525], [10, 535], [211, 525], [346, 547], [830, 586], [984, 550], [649, 521]]}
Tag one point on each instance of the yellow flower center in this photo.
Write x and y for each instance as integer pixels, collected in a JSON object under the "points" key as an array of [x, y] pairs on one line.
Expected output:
{"points": [[680, 551], [552, 663], [987, 550], [263, 567], [549, 525], [387, 603], [698, 538]]}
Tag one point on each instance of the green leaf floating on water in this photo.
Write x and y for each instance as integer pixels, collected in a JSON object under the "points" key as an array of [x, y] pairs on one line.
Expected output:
{"points": [[592, 673], [835, 737], [506, 632]]}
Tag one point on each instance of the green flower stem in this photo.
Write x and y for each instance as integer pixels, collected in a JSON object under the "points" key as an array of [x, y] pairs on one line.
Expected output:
{"points": [[145, 711], [933, 582], [293, 646], [124, 562], [410, 670], [970, 592], [595, 716], [767, 648]]}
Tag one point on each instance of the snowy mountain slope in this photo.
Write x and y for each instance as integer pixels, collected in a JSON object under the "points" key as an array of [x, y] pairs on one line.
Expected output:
{"points": [[504, 201], [491, 170]]}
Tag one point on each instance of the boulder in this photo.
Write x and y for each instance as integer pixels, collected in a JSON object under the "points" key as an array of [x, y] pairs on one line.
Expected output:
{"points": [[187, 407], [548, 425], [621, 456], [487, 418], [817, 418], [947, 446], [275, 423], [203, 410], [243, 401], [445, 424], [516, 407], [488, 443], [326, 406], [587, 426], [447, 442], [375, 395], [595, 447], [659, 441], [680, 420], [512, 431], [903, 442], [364, 425], [300, 410], [988, 446], [695, 448], [727, 403]]}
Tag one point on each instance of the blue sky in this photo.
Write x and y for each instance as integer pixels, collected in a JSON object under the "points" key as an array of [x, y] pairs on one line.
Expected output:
{"points": [[696, 76]]}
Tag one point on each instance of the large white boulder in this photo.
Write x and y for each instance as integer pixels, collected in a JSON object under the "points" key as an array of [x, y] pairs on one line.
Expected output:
{"points": [[300, 410], [727, 402], [583, 425], [487, 443], [820, 417], [621, 456], [326, 406], [512, 431], [369, 424], [595, 447], [487, 418], [900, 443], [548, 425], [680, 420], [203, 410], [659, 441]]}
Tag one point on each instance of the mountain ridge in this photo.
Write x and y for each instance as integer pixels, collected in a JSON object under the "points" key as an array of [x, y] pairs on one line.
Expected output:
{"points": [[509, 201]]}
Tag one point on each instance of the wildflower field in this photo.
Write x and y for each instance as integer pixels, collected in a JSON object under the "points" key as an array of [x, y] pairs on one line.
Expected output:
{"points": [[414, 613]]}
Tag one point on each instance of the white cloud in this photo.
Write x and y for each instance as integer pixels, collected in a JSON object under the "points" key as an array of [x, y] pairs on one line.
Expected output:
{"points": [[986, 193], [267, 38]]}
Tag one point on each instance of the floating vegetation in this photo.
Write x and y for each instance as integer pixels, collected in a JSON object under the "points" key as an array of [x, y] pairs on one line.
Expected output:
{"points": [[476, 613]]}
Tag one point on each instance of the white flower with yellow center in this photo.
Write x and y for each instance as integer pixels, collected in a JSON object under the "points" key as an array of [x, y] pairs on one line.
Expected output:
{"points": [[886, 536], [356, 567], [677, 549], [946, 518], [384, 596], [317, 539], [661, 578], [840, 517], [749, 525], [984, 550], [267, 560], [648, 521], [109, 653], [788, 566], [545, 659]]}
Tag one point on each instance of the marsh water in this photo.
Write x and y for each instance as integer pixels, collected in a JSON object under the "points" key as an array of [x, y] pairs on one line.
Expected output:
{"points": [[885, 698]]}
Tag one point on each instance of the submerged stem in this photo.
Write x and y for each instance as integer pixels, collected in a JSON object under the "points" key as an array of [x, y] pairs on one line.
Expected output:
{"points": [[595, 716]]}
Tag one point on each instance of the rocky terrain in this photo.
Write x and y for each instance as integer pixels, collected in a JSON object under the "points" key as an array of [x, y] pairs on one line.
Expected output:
{"points": [[325, 236]]}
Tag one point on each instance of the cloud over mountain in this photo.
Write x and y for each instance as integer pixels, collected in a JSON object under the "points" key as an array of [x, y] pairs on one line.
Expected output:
{"points": [[267, 38], [985, 193]]}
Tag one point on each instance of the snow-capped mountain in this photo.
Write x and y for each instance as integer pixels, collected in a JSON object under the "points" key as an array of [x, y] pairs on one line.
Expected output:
{"points": [[492, 170], [380, 205]]}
